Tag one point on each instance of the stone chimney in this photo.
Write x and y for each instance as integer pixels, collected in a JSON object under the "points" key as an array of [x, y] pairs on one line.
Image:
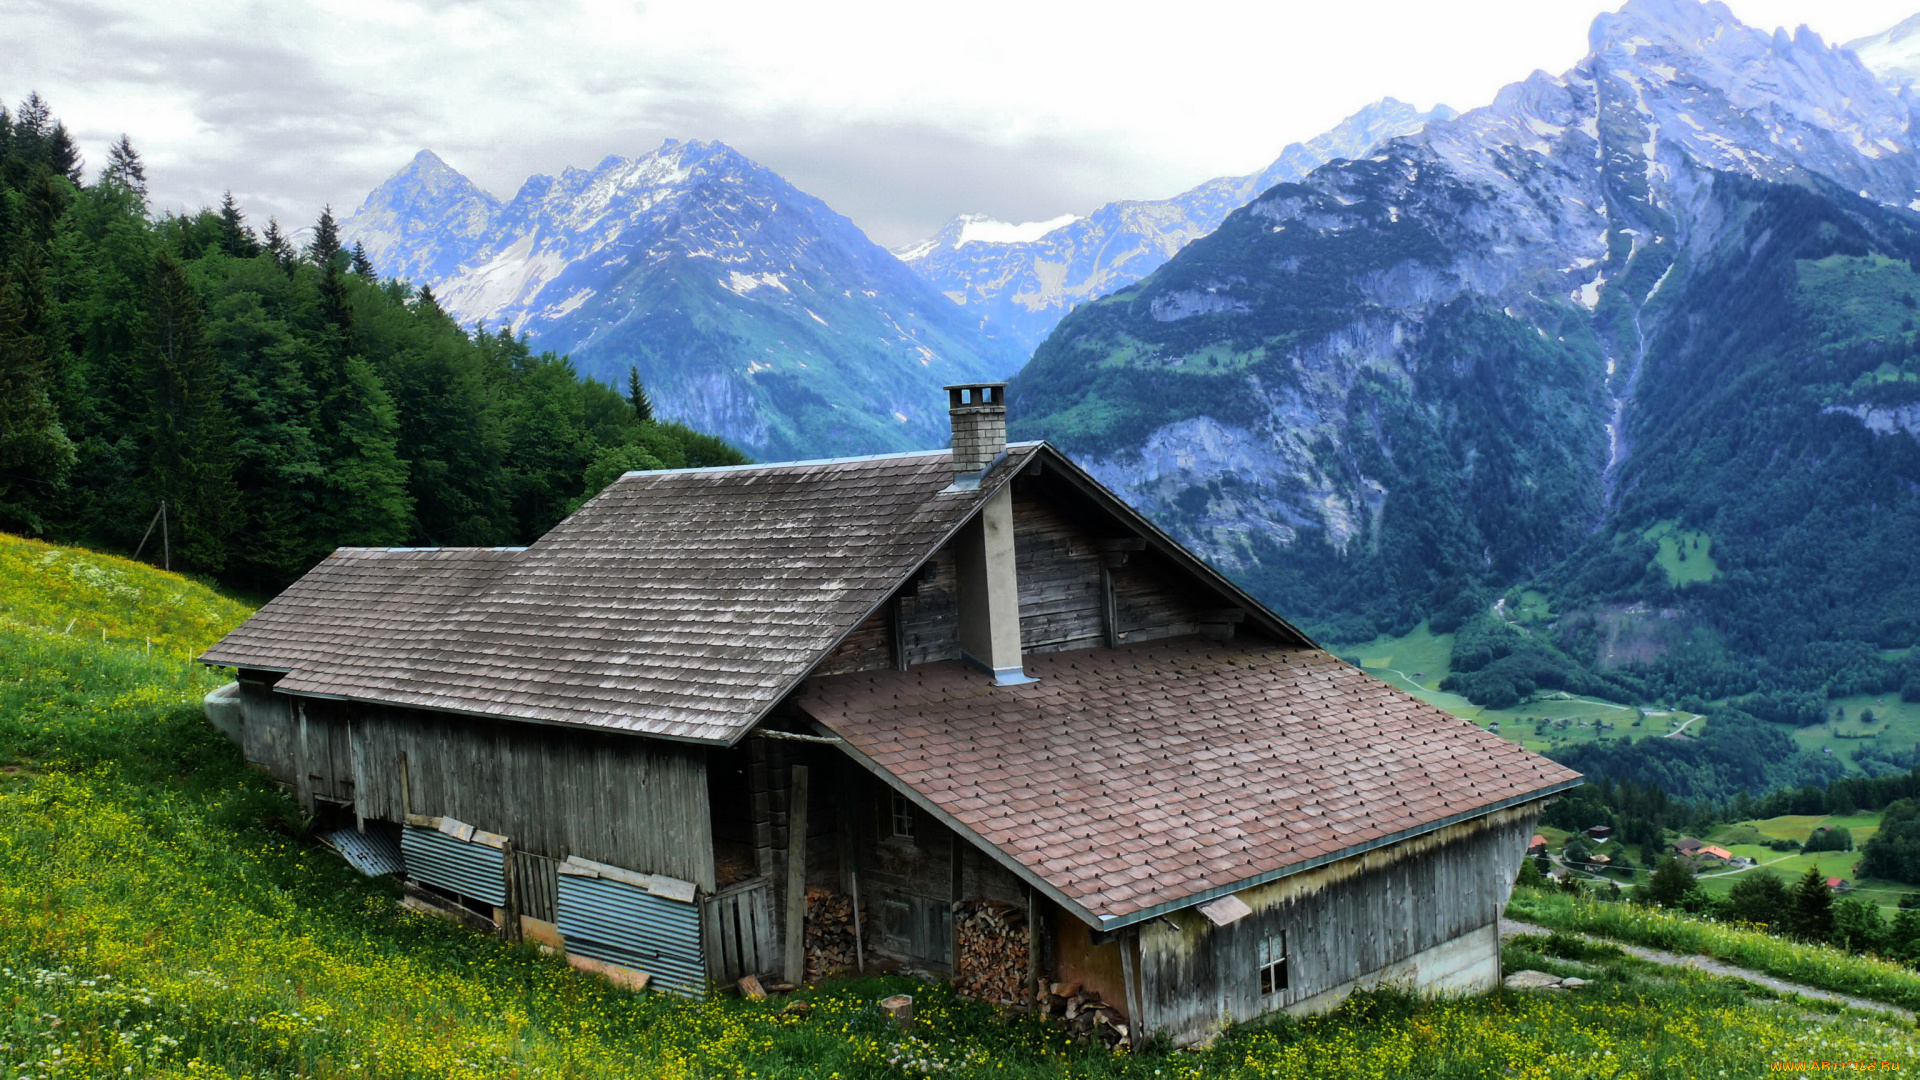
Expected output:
{"points": [[988, 584], [979, 412]]}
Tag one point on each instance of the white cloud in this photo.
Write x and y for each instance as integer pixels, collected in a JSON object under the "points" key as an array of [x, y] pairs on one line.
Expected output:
{"points": [[898, 115]]}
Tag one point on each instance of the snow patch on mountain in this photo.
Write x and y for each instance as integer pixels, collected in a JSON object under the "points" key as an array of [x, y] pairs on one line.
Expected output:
{"points": [[1022, 279]]}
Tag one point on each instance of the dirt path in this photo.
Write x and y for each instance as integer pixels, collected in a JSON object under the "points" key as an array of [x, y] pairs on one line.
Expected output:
{"points": [[1679, 730], [1513, 928]]}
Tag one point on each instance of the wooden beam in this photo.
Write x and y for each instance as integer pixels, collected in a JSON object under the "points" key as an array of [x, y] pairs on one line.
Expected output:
{"points": [[1109, 611], [796, 958], [897, 634]]}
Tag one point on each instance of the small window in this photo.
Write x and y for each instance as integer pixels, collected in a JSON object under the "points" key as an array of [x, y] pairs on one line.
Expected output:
{"points": [[1273, 964], [902, 817]]}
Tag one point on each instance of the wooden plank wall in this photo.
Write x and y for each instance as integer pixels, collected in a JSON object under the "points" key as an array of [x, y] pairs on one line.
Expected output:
{"points": [[1058, 561], [630, 801], [266, 727], [1341, 922]]}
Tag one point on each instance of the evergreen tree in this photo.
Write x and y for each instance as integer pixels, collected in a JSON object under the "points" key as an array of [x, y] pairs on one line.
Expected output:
{"points": [[125, 168], [35, 453], [278, 246], [428, 304], [236, 239], [190, 431], [637, 396], [1810, 917], [324, 248], [362, 265]]}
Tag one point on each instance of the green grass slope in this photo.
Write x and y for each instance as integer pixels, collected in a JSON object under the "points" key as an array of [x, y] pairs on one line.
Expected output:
{"points": [[163, 915]]}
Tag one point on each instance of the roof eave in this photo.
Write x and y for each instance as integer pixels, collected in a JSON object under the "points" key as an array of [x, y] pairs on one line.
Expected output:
{"points": [[1121, 921]]}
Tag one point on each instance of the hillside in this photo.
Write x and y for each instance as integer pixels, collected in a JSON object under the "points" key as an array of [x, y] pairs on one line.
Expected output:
{"points": [[1591, 339], [751, 309], [162, 914]]}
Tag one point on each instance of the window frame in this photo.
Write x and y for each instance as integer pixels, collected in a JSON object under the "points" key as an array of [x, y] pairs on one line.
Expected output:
{"points": [[900, 817], [1271, 968]]}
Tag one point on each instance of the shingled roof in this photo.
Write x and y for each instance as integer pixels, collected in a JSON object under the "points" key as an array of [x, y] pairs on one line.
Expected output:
{"points": [[680, 604], [1130, 781]]}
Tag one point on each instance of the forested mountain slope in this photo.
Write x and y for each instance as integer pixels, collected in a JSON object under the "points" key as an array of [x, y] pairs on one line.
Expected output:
{"points": [[281, 403], [1662, 299], [750, 308]]}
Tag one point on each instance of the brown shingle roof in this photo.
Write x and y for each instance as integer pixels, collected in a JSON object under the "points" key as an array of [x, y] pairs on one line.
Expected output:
{"points": [[679, 604], [1132, 779]]}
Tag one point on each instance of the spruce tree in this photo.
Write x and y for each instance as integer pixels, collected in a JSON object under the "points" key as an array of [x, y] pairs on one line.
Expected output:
{"points": [[35, 453], [190, 433], [278, 247], [637, 396], [236, 239], [362, 265], [324, 248], [124, 167], [1811, 916]]}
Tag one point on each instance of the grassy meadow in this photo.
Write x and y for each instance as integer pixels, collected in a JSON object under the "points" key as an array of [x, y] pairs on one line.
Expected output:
{"points": [[164, 914], [1417, 662]]}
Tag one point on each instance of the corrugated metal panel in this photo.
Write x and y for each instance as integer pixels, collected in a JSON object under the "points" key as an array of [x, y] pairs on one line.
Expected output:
{"points": [[373, 852], [627, 925], [470, 869]]}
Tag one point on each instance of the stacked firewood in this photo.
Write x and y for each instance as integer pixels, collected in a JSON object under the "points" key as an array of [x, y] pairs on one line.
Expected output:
{"points": [[993, 951], [830, 933], [1084, 1015]]}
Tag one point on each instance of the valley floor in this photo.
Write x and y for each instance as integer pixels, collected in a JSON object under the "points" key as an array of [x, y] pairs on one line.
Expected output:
{"points": [[163, 913]]}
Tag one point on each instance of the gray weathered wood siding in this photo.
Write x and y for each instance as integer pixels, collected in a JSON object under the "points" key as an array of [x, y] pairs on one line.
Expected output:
{"points": [[266, 725], [1342, 922], [630, 801], [1059, 562], [1149, 601], [1059, 568]]}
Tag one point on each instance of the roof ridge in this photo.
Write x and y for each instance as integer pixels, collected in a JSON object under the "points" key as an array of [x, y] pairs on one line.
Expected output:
{"points": [[810, 462]]}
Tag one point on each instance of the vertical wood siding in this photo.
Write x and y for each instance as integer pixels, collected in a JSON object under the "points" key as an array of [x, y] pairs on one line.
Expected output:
{"points": [[633, 802], [1341, 922], [1059, 567]]}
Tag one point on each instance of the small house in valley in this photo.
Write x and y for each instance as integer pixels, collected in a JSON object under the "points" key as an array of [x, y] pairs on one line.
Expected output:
{"points": [[963, 711]]}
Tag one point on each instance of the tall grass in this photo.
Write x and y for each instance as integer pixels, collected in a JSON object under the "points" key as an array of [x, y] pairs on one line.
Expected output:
{"points": [[162, 915], [1811, 965]]}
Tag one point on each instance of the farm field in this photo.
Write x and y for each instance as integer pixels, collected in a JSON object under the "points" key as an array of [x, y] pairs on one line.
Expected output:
{"points": [[1896, 727], [1417, 663], [163, 914]]}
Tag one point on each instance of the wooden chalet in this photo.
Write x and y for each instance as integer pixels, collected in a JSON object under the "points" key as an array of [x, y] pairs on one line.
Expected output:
{"points": [[969, 698]]}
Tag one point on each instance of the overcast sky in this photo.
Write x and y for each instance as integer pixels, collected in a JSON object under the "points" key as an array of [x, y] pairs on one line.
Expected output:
{"points": [[898, 114]]}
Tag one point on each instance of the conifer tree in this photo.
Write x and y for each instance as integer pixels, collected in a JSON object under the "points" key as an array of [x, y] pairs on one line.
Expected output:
{"points": [[362, 265], [324, 248], [190, 432], [428, 304], [125, 168], [278, 247], [637, 396], [1811, 916], [236, 239], [35, 453]]}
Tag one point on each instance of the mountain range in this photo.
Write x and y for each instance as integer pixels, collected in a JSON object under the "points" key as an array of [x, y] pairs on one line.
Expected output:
{"points": [[1664, 298], [1019, 280], [750, 309]]}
